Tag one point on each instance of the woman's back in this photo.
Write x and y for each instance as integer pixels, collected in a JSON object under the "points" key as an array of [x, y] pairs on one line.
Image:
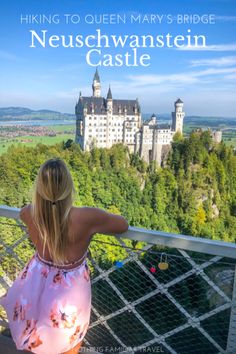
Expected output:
{"points": [[84, 222], [79, 234]]}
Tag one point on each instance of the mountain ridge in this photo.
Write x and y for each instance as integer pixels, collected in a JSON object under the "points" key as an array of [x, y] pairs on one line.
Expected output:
{"points": [[26, 113]]}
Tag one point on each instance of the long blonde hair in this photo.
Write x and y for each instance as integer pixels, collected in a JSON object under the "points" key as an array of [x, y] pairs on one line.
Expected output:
{"points": [[51, 203]]}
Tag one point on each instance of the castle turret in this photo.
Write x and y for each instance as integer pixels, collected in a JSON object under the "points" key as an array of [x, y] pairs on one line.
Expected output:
{"points": [[178, 116], [153, 119], [96, 85], [109, 100]]}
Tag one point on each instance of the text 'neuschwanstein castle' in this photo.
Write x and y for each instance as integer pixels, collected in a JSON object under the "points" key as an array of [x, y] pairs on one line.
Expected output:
{"points": [[104, 122]]}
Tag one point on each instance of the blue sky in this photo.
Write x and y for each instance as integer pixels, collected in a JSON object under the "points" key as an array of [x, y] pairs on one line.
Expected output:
{"points": [[51, 78]]}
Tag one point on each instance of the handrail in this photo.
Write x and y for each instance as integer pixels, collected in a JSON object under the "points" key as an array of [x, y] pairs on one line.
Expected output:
{"points": [[185, 242]]}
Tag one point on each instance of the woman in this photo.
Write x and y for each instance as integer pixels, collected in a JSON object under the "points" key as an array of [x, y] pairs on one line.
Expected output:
{"points": [[49, 304]]}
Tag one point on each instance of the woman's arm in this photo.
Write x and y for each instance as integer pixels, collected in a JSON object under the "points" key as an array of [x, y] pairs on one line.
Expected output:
{"points": [[24, 213], [102, 222]]}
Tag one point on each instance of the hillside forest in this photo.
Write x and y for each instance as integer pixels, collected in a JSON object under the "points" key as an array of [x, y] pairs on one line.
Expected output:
{"points": [[194, 193]]}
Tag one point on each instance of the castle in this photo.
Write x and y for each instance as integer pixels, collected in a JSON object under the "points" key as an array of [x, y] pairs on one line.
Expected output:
{"points": [[106, 121]]}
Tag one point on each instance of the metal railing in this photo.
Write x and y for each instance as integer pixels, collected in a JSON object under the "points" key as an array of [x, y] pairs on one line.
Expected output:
{"points": [[151, 291]]}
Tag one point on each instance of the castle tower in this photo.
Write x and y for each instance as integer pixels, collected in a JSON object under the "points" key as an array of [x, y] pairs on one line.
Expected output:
{"points": [[96, 85], [106, 121], [109, 100], [178, 116]]}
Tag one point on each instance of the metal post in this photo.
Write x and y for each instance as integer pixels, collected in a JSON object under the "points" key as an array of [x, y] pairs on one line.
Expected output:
{"points": [[231, 342]]}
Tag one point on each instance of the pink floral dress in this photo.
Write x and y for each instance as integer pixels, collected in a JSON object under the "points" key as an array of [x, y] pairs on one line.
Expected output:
{"points": [[49, 308]]}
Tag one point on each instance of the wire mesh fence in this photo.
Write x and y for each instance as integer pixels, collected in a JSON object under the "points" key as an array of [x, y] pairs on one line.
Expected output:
{"points": [[146, 297], [163, 300]]}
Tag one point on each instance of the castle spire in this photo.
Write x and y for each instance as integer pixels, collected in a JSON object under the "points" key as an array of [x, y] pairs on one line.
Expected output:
{"points": [[109, 94], [96, 76], [96, 86]]}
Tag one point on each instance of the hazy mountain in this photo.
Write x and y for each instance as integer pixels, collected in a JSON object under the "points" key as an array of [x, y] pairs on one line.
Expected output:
{"points": [[13, 113], [22, 113]]}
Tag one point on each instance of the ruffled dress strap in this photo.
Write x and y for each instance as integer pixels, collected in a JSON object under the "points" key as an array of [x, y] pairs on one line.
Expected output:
{"points": [[61, 265]]}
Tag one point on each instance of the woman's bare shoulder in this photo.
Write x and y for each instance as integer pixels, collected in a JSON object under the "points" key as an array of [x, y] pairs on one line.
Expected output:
{"points": [[86, 215], [24, 213], [83, 219], [81, 212], [84, 212], [101, 221]]}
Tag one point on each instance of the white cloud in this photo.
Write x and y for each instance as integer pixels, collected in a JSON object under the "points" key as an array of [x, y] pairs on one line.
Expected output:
{"points": [[149, 80], [231, 47], [215, 71], [185, 78], [223, 61], [230, 77]]}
